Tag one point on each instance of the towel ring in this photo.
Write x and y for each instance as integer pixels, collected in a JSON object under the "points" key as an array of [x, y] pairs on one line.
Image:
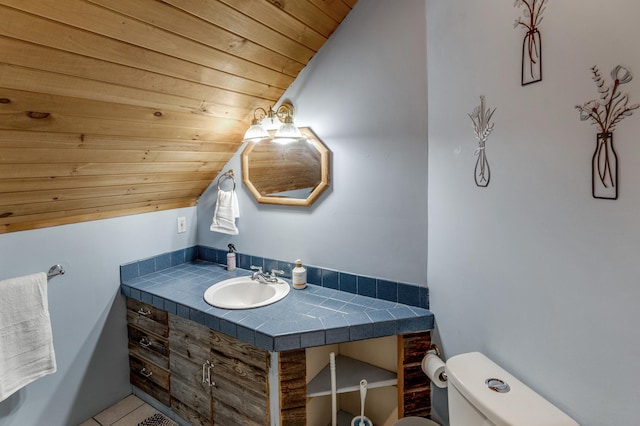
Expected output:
{"points": [[228, 175]]}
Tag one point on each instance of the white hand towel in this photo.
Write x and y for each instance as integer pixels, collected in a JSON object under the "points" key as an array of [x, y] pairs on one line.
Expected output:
{"points": [[26, 341], [226, 212]]}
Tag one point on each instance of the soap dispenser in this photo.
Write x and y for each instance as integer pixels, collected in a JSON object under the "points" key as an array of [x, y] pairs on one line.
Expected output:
{"points": [[299, 276], [231, 258]]}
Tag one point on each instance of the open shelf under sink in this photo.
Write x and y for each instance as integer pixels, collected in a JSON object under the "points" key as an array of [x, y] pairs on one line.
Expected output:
{"points": [[349, 372]]}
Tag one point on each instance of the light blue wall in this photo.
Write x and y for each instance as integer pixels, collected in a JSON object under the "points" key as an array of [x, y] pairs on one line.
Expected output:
{"points": [[87, 314], [364, 94], [532, 270]]}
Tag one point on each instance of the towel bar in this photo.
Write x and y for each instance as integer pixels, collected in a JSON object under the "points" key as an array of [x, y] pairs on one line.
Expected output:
{"points": [[54, 271]]}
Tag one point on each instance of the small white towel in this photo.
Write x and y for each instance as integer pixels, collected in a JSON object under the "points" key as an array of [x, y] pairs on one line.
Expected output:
{"points": [[26, 341], [226, 212]]}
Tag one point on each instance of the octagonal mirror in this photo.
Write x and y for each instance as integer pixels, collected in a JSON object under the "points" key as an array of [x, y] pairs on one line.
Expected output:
{"points": [[293, 174]]}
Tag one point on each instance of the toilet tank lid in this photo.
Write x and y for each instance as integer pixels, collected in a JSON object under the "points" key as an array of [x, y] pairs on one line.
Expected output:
{"points": [[521, 405]]}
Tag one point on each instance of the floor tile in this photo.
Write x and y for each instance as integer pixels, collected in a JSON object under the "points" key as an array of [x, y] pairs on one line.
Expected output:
{"points": [[90, 422], [118, 410], [136, 416]]}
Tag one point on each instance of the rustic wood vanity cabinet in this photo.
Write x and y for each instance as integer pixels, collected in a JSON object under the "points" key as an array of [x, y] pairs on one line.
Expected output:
{"points": [[209, 378]]}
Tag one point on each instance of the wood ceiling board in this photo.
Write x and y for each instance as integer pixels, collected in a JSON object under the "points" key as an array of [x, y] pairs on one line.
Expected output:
{"points": [[38, 156], [74, 124], [24, 100], [336, 9], [33, 80], [68, 194], [150, 96], [250, 30], [310, 15], [66, 182], [276, 19], [118, 27], [29, 170], [82, 215], [22, 139], [37, 30]]}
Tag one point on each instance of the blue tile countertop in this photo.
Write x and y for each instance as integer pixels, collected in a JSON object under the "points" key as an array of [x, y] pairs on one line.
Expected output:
{"points": [[314, 316]]}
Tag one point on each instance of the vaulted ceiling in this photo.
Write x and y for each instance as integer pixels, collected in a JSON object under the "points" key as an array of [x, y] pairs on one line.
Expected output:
{"points": [[118, 107]]}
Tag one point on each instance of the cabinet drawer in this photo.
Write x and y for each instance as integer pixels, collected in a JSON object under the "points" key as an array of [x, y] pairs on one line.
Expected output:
{"points": [[150, 378], [147, 317], [148, 346]]}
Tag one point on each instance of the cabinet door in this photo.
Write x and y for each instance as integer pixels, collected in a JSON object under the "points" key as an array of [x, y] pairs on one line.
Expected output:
{"points": [[240, 373], [190, 396]]}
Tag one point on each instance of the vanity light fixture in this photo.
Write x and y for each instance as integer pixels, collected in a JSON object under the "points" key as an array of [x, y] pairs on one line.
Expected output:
{"points": [[256, 131], [280, 120]]}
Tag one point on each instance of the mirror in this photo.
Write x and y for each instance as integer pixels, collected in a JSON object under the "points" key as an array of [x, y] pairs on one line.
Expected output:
{"points": [[293, 174]]}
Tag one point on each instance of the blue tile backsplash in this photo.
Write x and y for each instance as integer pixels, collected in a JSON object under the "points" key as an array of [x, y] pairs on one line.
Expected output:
{"points": [[405, 293]]}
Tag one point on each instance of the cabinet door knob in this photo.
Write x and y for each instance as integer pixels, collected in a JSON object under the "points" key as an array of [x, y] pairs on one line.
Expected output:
{"points": [[146, 373]]}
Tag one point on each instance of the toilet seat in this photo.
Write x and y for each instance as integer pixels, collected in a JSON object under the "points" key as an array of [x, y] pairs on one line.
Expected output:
{"points": [[415, 421]]}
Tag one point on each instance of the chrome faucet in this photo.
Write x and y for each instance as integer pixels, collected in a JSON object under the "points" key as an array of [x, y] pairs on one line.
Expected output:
{"points": [[267, 277]]}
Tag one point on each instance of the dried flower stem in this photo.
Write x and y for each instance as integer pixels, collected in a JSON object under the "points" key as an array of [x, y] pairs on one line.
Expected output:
{"points": [[533, 17], [612, 106]]}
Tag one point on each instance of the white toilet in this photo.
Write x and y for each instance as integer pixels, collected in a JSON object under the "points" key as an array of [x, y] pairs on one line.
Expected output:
{"points": [[483, 394]]}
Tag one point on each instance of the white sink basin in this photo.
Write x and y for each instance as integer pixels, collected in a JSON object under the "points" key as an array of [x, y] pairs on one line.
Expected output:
{"points": [[245, 293]]}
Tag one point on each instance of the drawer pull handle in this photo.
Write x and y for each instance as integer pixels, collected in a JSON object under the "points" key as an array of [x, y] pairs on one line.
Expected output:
{"points": [[206, 376], [141, 311], [146, 373], [144, 342]]}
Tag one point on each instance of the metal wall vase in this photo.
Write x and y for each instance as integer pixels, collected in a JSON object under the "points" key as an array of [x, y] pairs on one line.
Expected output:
{"points": [[482, 127], [604, 168], [606, 112], [482, 172], [531, 58]]}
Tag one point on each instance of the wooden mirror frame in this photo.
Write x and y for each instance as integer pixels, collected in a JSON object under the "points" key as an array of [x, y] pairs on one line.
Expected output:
{"points": [[325, 166]]}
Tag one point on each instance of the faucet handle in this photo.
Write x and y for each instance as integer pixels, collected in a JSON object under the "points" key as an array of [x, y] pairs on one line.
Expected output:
{"points": [[275, 272], [256, 268]]}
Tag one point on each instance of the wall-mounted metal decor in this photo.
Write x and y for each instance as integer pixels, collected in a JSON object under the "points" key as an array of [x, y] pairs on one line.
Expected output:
{"points": [[606, 112], [531, 70], [482, 127]]}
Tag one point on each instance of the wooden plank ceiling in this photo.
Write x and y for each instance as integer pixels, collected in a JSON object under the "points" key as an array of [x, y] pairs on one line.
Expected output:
{"points": [[118, 107]]}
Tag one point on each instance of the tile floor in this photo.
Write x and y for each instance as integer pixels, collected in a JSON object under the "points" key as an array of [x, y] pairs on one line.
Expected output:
{"points": [[128, 412]]}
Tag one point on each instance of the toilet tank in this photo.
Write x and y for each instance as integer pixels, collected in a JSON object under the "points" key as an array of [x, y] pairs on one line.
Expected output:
{"points": [[481, 393]]}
